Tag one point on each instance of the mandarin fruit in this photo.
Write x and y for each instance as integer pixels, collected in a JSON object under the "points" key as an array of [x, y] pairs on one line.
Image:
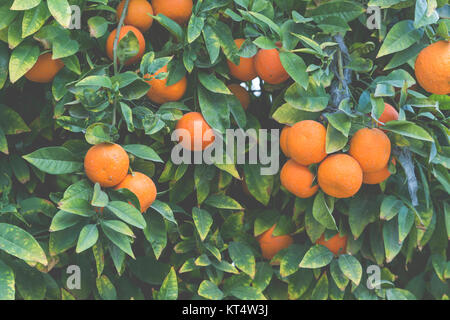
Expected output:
{"points": [[297, 179], [306, 142], [271, 245]]}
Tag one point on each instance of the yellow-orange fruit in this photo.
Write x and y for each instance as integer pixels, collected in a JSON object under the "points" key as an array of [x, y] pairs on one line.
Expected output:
{"points": [[297, 179], [340, 176], [123, 32], [245, 71], [377, 176], [142, 186], [388, 114], [283, 140], [45, 69], [269, 68], [432, 68], [106, 164], [306, 142], [336, 244], [200, 134], [137, 14], [160, 93], [371, 148], [241, 94], [271, 245], [178, 10]]}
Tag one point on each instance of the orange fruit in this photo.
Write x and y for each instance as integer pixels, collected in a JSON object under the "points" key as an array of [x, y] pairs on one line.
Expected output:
{"points": [[389, 114], [377, 176], [283, 140], [432, 68], [142, 186], [340, 176], [297, 179], [123, 32], [269, 68], [178, 10], [45, 69], [241, 94], [271, 245], [306, 142], [336, 244], [199, 133], [245, 71], [107, 164], [137, 14], [371, 148], [160, 93]]}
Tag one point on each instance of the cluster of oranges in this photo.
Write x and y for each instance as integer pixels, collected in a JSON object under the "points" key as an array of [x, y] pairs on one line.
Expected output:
{"points": [[108, 164], [139, 20], [339, 175]]}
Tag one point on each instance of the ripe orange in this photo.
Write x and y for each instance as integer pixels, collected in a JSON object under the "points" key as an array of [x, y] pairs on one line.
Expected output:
{"points": [[336, 244], [200, 133], [241, 94], [371, 148], [432, 68], [389, 114], [245, 71], [177, 10], [306, 142], [377, 176], [142, 186], [340, 176], [271, 245], [137, 14], [160, 93], [45, 69], [297, 179], [123, 32], [107, 164], [283, 140], [269, 68]]}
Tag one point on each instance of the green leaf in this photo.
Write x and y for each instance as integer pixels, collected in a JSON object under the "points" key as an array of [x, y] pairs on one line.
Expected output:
{"points": [[399, 294], [313, 99], [120, 240], [346, 10], [25, 4], [320, 291], [401, 36], [209, 290], [390, 207], [98, 133], [392, 244], [317, 256], [171, 26], [127, 213], [203, 222], [210, 82], [287, 114], [350, 267], [118, 226], [21, 244], [61, 11], [164, 209], [195, 28], [296, 68], [242, 257], [88, 237], [408, 129], [143, 152], [338, 276], [7, 282], [291, 260], [63, 220], [222, 201], [11, 122], [247, 293], [54, 160], [105, 288], [405, 223], [77, 206], [156, 233], [169, 288], [322, 211], [23, 58]]}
